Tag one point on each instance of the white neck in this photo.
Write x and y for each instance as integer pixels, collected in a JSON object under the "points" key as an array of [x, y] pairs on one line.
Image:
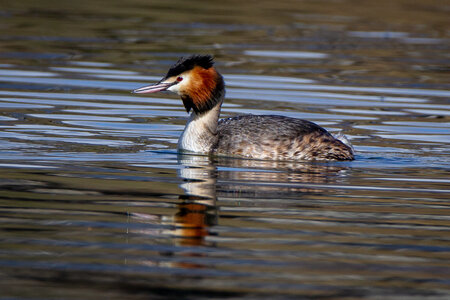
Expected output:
{"points": [[200, 133]]}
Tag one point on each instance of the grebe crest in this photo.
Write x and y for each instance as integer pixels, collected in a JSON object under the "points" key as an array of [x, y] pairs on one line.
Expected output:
{"points": [[271, 137]]}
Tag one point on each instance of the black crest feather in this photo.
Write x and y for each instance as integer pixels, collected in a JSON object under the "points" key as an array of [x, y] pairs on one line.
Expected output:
{"points": [[188, 63]]}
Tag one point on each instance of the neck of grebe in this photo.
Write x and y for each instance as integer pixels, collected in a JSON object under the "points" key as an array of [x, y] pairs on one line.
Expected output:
{"points": [[200, 133]]}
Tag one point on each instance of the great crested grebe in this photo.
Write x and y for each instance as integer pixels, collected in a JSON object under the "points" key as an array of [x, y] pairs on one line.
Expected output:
{"points": [[268, 137]]}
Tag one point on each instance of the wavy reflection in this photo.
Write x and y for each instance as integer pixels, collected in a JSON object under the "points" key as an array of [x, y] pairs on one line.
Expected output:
{"points": [[206, 178], [197, 211]]}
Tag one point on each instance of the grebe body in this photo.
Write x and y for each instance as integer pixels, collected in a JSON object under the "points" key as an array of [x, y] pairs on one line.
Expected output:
{"points": [[269, 137]]}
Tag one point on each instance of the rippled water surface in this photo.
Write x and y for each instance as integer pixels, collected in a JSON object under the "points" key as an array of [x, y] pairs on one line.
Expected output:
{"points": [[95, 203]]}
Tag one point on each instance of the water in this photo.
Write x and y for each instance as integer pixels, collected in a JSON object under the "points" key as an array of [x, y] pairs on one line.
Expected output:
{"points": [[96, 203]]}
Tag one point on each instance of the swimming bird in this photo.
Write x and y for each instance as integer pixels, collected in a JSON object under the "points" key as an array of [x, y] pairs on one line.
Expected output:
{"points": [[268, 137]]}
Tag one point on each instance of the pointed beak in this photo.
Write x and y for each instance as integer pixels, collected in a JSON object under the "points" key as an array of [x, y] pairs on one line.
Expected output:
{"points": [[160, 86]]}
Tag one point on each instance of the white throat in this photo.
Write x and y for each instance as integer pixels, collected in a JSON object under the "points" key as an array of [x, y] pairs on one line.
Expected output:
{"points": [[200, 133]]}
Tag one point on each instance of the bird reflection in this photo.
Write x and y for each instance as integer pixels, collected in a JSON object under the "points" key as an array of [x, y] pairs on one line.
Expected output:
{"points": [[205, 179], [263, 178], [197, 210], [192, 221]]}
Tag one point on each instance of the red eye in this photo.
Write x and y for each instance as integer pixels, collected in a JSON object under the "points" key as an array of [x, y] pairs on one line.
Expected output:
{"points": [[179, 78]]}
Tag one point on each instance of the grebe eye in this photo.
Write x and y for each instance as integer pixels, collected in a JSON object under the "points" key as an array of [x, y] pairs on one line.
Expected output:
{"points": [[179, 78]]}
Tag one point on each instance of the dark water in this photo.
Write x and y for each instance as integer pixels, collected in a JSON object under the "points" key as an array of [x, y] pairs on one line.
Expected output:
{"points": [[95, 203]]}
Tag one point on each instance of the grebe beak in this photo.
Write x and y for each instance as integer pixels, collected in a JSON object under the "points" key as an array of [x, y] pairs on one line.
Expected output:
{"points": [[158, 87]]}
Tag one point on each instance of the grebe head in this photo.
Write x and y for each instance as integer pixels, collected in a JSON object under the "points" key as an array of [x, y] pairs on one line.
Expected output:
{"points": [[195, 80]]}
